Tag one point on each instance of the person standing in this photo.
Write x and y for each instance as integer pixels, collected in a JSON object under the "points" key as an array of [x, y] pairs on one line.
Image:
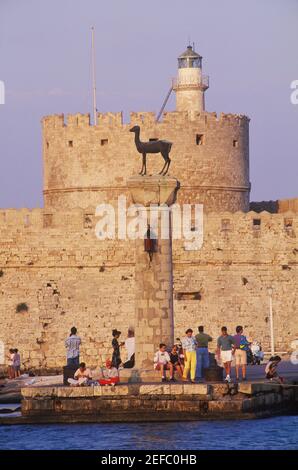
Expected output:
{"points": [[202, 340], [72, 345], [190, 355], [17, 363], [116, 357], [175, 360], [225, 346], [130, 348], [10, 357], [241, 348]]}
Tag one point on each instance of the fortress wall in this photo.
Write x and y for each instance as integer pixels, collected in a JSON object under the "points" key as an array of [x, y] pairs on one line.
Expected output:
{"points": [[85, 165], [66, 276], [231, 274]]}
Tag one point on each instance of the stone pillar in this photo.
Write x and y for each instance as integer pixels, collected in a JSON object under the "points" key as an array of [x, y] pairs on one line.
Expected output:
{"points": [[154, 322]]}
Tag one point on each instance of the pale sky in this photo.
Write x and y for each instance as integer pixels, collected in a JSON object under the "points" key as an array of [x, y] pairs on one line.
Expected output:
{"points": [[249, 49]]}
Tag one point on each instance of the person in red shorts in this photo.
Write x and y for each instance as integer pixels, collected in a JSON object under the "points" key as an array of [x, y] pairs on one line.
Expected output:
{"points": [[110, 374]]}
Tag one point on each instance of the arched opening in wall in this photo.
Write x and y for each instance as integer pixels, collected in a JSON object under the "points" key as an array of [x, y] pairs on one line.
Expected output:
{"points": [[22, 308]]}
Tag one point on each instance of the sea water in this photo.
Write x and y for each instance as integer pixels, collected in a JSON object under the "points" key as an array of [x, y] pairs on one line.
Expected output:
{"points": [[271, 433]]}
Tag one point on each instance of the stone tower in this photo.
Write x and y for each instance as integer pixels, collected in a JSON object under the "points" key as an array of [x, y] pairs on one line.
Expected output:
{"points": [[191, 84], [85, 165]]}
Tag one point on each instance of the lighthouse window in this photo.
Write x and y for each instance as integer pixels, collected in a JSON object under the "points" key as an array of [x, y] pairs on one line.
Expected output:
{"points": [[199, 139], [182, 63]]}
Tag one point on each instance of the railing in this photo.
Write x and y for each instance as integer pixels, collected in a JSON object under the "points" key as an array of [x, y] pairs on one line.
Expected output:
{"points": [[203, 82]]}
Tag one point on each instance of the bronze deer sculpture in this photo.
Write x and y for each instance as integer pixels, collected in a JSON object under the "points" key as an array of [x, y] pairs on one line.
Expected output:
{"points": [[155, 146]]}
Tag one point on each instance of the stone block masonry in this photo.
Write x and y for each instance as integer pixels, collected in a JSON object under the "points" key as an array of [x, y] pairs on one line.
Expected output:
{"points": [[158, 402], [154, 316], [86, 165], [52, 261]]}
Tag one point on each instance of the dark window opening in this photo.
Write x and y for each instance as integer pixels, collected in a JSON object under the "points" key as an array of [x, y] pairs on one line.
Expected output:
{"points": [[200, 139], [48, 145], [256, 224], [22, 307], [70, 143], [188, 295], [104, 142], [235, 143], [88, 220]]}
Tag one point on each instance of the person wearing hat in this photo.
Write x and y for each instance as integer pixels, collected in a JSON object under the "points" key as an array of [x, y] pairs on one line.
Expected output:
{"points": [[116, 357], [110, 374]]}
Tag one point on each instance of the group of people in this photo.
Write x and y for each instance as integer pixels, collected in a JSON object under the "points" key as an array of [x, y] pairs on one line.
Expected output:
{"points": [[14, 363], [190, 357], [110, 372]]}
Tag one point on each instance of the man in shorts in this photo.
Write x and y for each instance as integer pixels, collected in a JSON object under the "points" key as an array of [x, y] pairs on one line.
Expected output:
{"points": [[225, 347], [241, 348]]}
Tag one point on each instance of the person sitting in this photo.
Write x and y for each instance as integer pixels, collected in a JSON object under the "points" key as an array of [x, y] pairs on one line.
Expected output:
{"points": [[162, 362], [271, 370], [110, 374], [176, 361], [130, 348], [82, 376]]}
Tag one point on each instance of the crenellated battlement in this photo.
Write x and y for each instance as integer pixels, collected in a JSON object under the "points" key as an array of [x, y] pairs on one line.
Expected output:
{"points": [[216, 223], [143, 119]]}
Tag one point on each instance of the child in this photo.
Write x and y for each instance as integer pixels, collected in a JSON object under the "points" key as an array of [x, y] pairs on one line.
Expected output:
{"points": [[81, 377], [17, 363], [271, 370], [175, 360], [162, 362], [11, 372], [110, 374], [178, 344]]}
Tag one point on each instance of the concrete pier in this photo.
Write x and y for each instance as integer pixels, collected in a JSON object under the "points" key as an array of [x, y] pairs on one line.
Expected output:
{"points": [[155, 402]]}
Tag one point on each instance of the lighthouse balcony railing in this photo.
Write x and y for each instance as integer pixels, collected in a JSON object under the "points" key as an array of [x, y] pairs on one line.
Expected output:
{"points": [[202, 81]]}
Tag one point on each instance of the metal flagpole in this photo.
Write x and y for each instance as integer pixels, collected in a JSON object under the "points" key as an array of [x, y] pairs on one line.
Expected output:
{"points": [[93, 78]]}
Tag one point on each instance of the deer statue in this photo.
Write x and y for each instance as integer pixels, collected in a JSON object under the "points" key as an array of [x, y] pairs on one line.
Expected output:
{"points": [[156, 146]]}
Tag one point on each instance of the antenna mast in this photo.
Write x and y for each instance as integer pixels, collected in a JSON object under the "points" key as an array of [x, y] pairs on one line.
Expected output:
{"points": [[93, 78]]}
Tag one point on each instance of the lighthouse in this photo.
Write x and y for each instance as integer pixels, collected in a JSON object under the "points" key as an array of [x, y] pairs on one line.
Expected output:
{"points": [[190, 84]]}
